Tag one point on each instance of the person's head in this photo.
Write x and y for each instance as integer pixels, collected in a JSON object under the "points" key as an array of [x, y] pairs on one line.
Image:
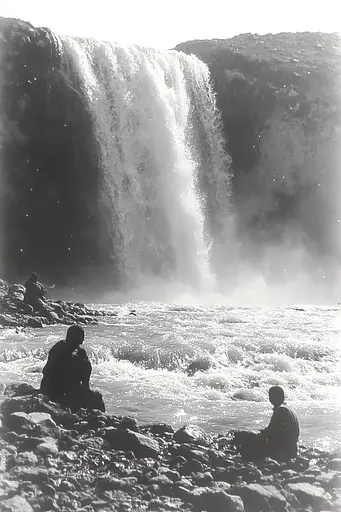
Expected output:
{"points": [[276, 395], [34, 277], [75, 336]]}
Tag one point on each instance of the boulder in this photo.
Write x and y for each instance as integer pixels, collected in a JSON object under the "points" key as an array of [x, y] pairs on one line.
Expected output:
{"points": [[35, 322], [218, 501], [36, 403], [128, 423], [95, 443], [260, 498], [22, 422], [7, 320], [42, 418], [192, 434], [158, 429], [16, 504], [27, 474], [47, 447], [20, 389], [16, 288], [7, 487], [26, 459], [5, 456], [309, 495], [128, 440]]}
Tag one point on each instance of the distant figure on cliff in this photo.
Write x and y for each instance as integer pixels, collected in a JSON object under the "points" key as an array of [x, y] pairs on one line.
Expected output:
{"points": [[35, 292], [278, 440], [66, 374]]}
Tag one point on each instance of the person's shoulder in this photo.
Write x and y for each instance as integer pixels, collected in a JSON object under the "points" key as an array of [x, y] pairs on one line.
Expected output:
{"points": [[59, 346], [285, 409]]}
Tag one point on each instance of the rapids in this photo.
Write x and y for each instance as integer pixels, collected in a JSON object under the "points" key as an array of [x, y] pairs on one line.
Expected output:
{"points": [[140, 362]]}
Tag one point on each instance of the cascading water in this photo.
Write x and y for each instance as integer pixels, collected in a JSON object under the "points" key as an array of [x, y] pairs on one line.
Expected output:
{"points": [[156, 211]]}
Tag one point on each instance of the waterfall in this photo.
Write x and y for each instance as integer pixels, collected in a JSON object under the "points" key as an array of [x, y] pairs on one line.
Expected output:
{"points": [[164, 173]]}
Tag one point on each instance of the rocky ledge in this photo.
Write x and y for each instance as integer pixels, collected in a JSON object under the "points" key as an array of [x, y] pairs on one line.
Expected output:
{"points": [[55, 460], [14, 312]]}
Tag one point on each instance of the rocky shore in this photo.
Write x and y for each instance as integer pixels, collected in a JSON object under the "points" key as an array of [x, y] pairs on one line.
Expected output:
{"points": [[55, 460], [14, 312]]}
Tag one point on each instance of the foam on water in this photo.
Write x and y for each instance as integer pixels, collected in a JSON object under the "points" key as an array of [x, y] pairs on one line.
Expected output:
{"points": [[140, 363]]}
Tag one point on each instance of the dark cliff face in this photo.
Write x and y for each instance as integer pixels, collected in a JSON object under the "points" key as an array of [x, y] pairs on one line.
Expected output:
{"points": [[280, 100], [49, 193]]}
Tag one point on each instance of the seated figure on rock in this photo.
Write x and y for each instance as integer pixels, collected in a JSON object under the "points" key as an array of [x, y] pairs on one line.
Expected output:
{"points": [[279, 439], [282, 433], [66, 374], [35, 292]]}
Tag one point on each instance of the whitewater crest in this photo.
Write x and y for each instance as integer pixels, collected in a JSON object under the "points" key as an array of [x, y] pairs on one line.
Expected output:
{"points": [[164, 174]]}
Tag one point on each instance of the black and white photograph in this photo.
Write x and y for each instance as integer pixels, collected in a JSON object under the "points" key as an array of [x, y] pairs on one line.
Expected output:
{"points": [[170, 256]]}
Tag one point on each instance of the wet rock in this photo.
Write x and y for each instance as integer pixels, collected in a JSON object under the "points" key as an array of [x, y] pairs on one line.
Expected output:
{"points": [[20, 389], [219, 501], [24, 423], [139, 444], [25, 459], [260, 498], [66, 486], [16, 421], [172, 475], [129, 424], [96, 443], [34, 475], [202, 479], [112, 483], [48, 489], [16, 288], [299, 464], [42, 418], [36, 323], [7, 487], [7, 320], [16, 504], [157, 429], [36, 403], [161, 480], [48, 447], [192, 434], [191, 454], [309, 495], [5, 456]]}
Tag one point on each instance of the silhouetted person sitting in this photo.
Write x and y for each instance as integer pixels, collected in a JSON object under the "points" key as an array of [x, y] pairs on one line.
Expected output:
{"points": [[282, 433], [278, 440], [66, 374], [35, 292]]}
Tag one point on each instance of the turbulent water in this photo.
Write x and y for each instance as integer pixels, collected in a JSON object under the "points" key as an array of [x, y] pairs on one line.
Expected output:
{"points": [[140, 362], [164, 174]]}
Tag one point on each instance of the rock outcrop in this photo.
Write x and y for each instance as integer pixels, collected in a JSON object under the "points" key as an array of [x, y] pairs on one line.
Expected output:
{"points": [[14, 312], [280, 104], [52, 459]]}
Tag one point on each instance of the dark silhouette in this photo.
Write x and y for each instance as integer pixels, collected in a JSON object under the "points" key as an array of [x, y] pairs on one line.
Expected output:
{"points": [[35, 292], [66, 374], [281, 435], [278, 440]]}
